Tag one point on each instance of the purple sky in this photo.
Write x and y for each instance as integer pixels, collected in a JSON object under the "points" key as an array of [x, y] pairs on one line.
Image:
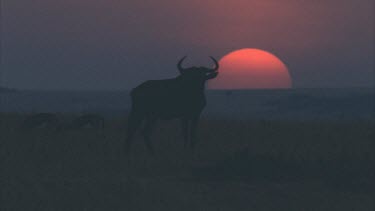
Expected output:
{"points": [[116, 44]]}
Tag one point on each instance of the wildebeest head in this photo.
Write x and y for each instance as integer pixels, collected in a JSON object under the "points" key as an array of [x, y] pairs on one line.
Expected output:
{"points": [[198, 73]]}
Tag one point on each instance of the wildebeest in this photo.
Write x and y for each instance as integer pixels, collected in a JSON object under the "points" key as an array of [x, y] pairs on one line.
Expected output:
{"points": [[177, 98], [41, 120]]}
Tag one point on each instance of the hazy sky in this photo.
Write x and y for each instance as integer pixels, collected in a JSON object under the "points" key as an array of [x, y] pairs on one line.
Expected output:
{"points": [[115, 44]]}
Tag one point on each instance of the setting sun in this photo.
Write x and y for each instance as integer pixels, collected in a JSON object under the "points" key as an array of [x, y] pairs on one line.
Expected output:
{"points": [[251, 69]]}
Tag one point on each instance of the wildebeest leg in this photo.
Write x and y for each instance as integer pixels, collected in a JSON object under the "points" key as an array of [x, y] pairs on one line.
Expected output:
{"points": [[147, 131], [185, 131], [193, 131], [135, 120]]}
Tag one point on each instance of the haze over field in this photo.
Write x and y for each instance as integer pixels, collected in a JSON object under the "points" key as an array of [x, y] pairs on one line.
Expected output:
{"points": [[307, 104]]}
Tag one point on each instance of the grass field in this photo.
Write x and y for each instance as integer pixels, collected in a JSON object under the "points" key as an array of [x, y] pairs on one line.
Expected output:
{"points": [[238, 165]]}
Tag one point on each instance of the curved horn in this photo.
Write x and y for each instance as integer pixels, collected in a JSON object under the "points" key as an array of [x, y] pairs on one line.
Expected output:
{"points": [[179, 65], [216, 64]]}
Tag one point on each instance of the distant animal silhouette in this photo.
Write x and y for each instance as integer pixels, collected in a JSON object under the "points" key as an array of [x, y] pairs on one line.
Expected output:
{"points": [[177, 98], [41, 120], [229, 93], [92, 121]]}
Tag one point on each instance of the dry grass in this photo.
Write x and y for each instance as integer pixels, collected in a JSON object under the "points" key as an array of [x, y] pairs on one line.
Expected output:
{"points": [[78, 169]]}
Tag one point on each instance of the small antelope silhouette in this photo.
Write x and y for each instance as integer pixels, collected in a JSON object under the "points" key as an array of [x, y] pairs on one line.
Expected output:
{"points": [[41, 120], [177, 98]]}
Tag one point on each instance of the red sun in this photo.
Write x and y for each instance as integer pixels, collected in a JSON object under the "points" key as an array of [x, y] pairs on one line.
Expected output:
{"points": [[251, 69]]}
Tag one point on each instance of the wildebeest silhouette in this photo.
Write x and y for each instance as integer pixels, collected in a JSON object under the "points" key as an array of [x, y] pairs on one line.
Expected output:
{"points": [[41, 120], [177, 98], [92, 121]]}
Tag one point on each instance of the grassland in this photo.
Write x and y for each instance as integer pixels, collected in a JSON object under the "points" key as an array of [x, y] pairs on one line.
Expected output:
{"points": [[238, 165]]}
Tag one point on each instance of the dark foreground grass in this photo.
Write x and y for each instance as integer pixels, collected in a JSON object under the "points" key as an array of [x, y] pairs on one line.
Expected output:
{"points": [[238, 165]]}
